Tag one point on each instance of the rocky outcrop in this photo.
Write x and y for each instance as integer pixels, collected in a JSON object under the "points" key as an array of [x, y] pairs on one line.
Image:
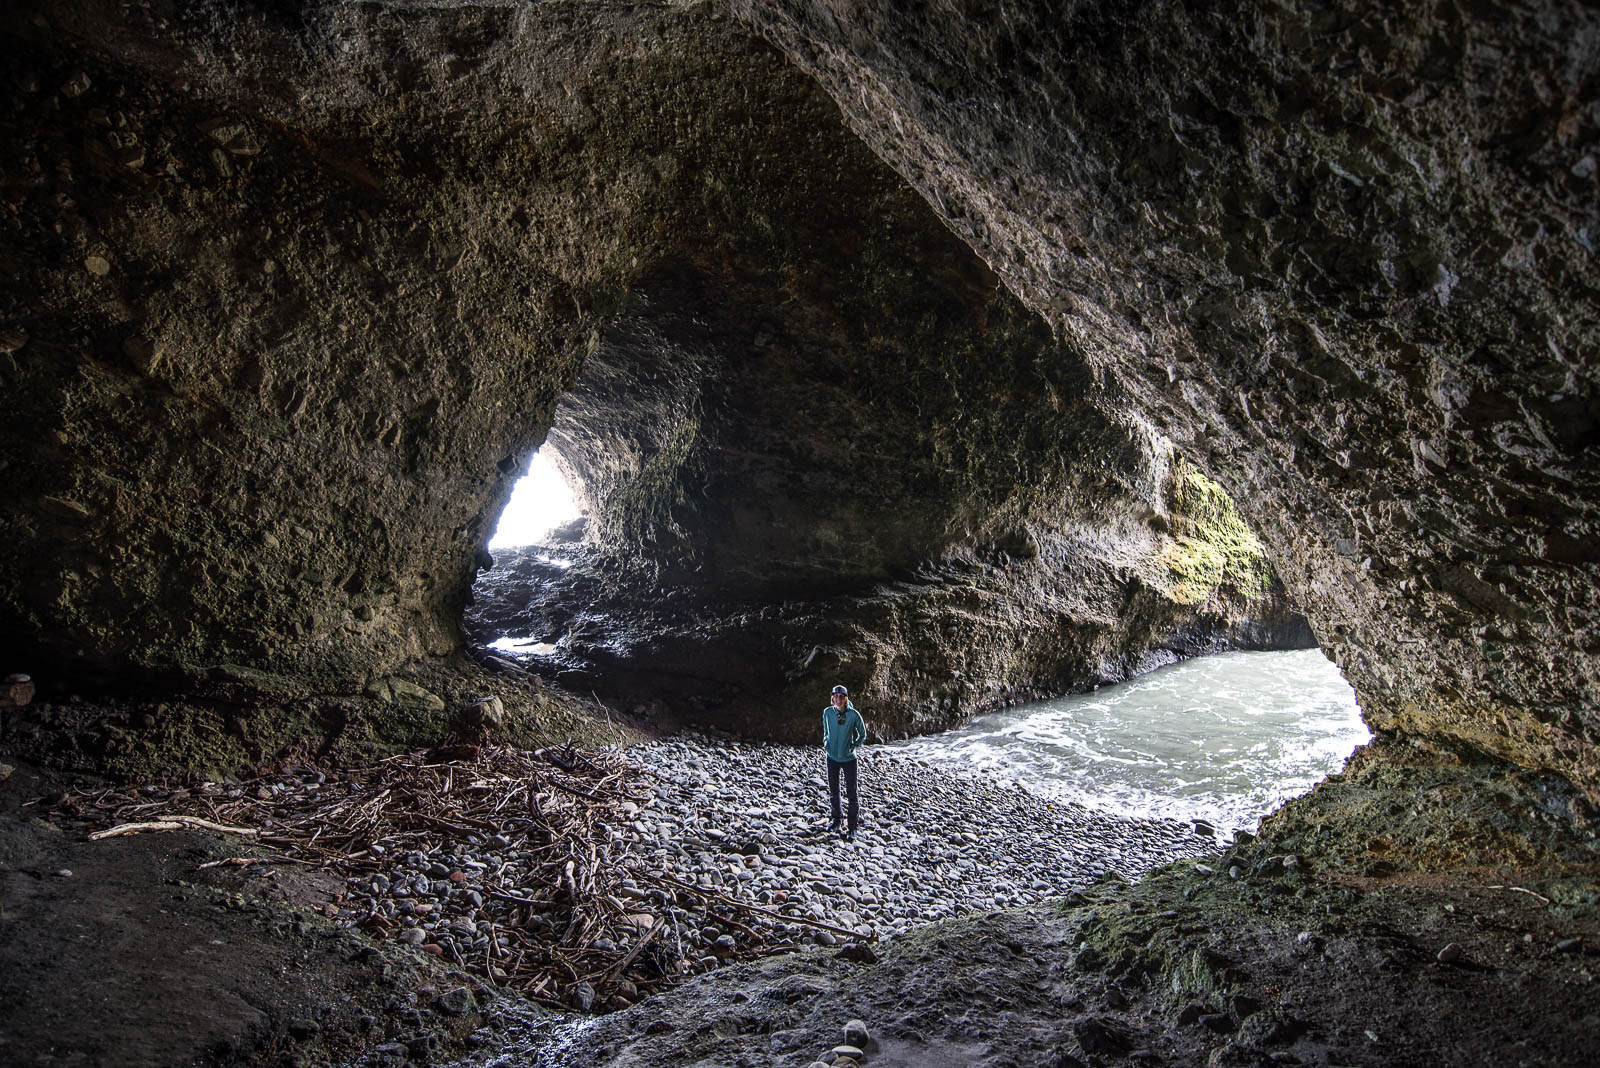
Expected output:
{"points": [[292, 296], [971, 631], [1344, 256]]}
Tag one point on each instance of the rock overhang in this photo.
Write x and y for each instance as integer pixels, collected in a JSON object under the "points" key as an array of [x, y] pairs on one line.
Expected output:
{"points": [[1341, 256], [1287, 281]]}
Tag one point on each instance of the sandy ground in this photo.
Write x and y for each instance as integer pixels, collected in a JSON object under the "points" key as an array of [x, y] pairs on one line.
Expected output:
{"points": [[141, 956]]}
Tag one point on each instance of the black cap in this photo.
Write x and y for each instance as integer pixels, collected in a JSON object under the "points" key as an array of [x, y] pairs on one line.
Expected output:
{"points": [[841, 689]]}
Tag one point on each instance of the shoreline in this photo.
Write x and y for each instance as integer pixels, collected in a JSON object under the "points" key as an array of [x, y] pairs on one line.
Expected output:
{"points": [[720, 855], [1297, 945], [933, 843]]}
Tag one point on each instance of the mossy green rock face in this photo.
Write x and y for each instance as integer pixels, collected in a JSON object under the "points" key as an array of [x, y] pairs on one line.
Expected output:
{"points": [[1212, 547]]}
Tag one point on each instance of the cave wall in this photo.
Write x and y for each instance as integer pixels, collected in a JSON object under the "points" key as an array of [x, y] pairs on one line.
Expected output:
{"points": [[294, 298], [290, 296], [1344, 255], [258, 357], [838, 450]]}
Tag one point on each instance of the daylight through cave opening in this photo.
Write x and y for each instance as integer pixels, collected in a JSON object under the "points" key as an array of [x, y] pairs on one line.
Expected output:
{"points": [[541, 501]]}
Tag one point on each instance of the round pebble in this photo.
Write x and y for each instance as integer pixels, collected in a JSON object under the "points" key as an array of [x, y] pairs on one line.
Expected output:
{"points": [[750, 822]]}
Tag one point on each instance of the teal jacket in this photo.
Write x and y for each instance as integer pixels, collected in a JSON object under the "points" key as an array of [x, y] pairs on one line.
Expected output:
{"points": [[843, 739]]}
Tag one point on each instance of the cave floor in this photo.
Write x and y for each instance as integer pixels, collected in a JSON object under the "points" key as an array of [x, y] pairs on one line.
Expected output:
{"points": [[156, 950], [1051, 986], [1369, 950]]}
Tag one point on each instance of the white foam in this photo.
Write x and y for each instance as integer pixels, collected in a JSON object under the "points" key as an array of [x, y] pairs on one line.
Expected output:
{"points": [[1225, 738]]}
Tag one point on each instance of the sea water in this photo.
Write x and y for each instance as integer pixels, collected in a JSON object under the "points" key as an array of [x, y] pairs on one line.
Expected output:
{"points": [[1224, 738]]}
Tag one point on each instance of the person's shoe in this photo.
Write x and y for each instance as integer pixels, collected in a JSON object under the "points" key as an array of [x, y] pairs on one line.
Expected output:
{"points": [[850, 836], [833, 828]]}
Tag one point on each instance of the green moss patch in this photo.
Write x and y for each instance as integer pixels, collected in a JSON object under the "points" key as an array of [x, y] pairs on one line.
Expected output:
{"points": [[1212, 550]]}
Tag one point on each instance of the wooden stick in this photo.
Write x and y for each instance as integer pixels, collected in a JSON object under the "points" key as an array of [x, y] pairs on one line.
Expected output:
{"points": [[173, 823], [1520, 890], [767, 912], [558, 784], [245, 862], [622, 965]]}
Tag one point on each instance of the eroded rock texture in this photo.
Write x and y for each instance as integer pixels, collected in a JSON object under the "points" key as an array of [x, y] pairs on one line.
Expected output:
{"points": [[844, 453], [294, 288], [1051, 609], [294, 298], [1342, 253]]}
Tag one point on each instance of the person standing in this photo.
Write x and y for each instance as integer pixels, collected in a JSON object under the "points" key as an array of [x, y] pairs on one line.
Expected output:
{"points": [[843, 732]]}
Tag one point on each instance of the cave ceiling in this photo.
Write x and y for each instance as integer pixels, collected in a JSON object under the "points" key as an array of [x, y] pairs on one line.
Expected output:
{"points": [[1345, 255], [832, 293]]}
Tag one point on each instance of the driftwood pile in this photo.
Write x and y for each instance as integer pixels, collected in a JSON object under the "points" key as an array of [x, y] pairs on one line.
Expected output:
{"points": [[543, 894]]}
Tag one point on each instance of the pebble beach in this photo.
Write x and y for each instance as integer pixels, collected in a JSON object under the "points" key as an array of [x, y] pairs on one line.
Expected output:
{"points": [[752, 820], [748, 824]]}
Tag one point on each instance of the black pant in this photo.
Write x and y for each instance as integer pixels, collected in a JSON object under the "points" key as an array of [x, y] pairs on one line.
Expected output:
{"points": [[849, 770]]}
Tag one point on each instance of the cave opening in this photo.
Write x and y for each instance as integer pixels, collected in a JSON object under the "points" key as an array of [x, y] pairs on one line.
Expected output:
{"points": [[538, 537], [1220, 740], [875, 336], [541, 502]]}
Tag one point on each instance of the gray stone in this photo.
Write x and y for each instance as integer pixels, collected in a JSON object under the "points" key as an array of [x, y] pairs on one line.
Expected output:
{"points": [[786, 1041], [457, 1001], [801, 987], [1102, 1035], [403, 693], [1268, 867], [1270, 1028]]}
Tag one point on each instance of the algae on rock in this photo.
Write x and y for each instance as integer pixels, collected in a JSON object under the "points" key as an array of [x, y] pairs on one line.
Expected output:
{"points": [[1212, 548]]}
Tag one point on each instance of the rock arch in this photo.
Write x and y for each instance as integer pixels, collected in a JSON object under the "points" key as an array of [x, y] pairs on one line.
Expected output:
{"points": [[291, 298]]}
